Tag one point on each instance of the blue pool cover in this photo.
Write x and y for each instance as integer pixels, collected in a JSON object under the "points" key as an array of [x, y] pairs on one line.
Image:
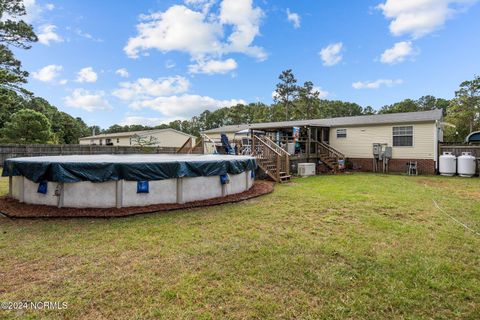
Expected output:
{"points": [[137, 167]]}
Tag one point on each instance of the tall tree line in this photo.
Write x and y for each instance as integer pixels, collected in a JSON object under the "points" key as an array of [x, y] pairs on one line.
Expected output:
{"points": [[23, 117], [294, 102], [20, 111]]}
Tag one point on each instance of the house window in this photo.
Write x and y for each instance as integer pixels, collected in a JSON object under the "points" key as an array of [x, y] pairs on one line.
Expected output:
{"points": [[403, 136], [118, 140], [341, 133]]}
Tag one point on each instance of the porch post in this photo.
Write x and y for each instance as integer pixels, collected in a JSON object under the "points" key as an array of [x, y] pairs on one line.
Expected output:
{"points": [[252, 145], [309, 140]]}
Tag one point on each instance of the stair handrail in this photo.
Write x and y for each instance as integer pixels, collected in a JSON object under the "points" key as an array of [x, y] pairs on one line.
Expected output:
{"points": [[285, 156], [282, 160], [330, 149], [264, 143], [275, 146], [331, 153], [262, 151], [208, 139]]}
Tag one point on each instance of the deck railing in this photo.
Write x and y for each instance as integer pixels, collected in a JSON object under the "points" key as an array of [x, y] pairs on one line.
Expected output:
{"points": [[327, 152], [284, 155], [270, 157]]}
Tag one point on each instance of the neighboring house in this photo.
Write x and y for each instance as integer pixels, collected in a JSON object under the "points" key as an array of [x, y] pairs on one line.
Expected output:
{"points": [[157, 138], [413, 136]]}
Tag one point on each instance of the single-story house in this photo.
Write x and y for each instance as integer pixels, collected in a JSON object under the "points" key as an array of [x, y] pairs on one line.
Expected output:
{"points": [[413, 136], [157, 138]]}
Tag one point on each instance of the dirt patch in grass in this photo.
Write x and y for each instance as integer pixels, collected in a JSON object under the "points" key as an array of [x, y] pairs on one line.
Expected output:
{"points": [[14, 209], [461, 187], [434, 183]]}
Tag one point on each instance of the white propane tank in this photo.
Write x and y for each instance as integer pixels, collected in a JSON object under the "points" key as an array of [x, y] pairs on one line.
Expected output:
{"points": [[467, 165], [448, 164]]}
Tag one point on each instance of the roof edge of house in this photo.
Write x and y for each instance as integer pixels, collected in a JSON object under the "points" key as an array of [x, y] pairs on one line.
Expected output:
{"points": [[132, 133], [437, 114]]}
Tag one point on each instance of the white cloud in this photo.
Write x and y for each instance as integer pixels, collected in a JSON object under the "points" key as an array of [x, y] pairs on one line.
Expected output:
{"points": [[200, 33], [321, 93], [183, 106], [33, 10], [122, 72], [245, 20], [331, 54], [87, 35], [87, 75], [376, 84], [204, 5], [49, 6], [47, 73], [169, 64], [47, 34], [145, 88], [87, 100], [398, 53], [63, 81], [213, 66], [294, 18], [167, 96], [420, 17], [178, 28]]}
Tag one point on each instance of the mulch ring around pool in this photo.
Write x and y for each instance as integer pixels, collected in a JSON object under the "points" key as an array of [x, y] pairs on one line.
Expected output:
{"points": [[14, 209]]}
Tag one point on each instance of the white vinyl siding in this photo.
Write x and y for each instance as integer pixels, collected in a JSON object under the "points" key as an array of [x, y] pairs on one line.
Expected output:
{"points": [[360, 139], [165, 138]]}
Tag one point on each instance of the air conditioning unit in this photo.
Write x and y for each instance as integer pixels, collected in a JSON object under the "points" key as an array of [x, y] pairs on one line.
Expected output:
{"points": [[306, 169]]}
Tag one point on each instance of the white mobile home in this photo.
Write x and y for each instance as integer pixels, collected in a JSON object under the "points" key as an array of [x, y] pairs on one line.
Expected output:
{"points": [[412, 136], [158, 138]]}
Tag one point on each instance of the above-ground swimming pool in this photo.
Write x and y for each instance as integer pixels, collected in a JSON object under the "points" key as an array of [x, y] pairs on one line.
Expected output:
{"points": [[108, 181]]}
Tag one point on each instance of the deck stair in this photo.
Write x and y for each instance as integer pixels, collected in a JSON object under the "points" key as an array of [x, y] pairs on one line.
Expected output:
{"points": [[272, 159], [330, 156]]}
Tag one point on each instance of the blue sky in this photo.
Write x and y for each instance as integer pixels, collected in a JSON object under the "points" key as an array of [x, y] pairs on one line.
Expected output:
{"points": [[149, 62]]}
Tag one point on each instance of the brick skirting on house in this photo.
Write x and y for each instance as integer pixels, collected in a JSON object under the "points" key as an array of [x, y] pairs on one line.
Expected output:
{"points": [[425, 166]]}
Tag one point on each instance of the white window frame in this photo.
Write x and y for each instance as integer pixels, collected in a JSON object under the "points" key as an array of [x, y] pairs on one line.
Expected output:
{"points": [[341, 129], [404, 135]]}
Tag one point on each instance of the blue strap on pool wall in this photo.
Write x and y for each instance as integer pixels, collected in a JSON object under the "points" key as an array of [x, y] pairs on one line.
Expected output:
{"points": [[142, 187], [224, 179], [43, 187], [252, 174]]}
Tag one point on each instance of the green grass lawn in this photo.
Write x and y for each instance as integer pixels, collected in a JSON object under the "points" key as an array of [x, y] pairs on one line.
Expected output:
{"points": [[358, 246]]}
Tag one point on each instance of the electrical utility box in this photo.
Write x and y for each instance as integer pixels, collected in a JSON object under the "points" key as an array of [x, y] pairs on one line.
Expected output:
{"points": [[377, 150], [387, 153]]}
